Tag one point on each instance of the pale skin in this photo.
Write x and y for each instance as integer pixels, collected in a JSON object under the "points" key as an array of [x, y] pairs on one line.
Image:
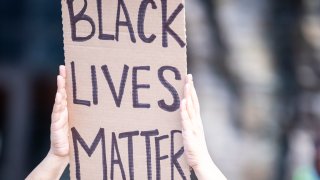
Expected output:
{"points": [[197, 155], [194, 141]]}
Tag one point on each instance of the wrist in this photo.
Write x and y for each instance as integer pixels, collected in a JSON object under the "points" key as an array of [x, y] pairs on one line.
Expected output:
{"points": [[203, 163], [54, 164], [51, 167], [207, 170], [56, 158]]}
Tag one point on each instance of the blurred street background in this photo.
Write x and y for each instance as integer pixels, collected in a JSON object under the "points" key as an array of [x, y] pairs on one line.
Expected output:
{"points": [[256, 66]]}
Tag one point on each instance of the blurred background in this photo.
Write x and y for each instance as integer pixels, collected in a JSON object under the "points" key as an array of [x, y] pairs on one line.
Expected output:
{"points": [[256, 65]]}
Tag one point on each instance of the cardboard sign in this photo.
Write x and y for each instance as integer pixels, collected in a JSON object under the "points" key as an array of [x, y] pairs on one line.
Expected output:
{"points": [[126, 65]]}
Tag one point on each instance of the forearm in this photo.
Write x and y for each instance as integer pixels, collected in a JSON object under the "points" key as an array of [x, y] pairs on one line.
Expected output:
{"points": [[51, 167], [207, 170]]}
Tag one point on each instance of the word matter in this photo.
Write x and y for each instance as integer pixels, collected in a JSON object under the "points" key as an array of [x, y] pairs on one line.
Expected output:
{"points": [[116, 156]]}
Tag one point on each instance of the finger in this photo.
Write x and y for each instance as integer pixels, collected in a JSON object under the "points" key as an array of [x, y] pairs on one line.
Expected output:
{"points": [[55, 116], [185, 93], [186, 123], [64, 95], [194, 95], [60, 114], [61, 86], [60, 82], [63, 105], [183, 110], [62, 71], [186, 90], [56, 107], [189, 103], [57, 102], [58, 123]]}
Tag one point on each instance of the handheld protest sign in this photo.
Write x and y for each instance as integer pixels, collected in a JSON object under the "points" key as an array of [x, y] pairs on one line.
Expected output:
{"points": [[126, 65]]}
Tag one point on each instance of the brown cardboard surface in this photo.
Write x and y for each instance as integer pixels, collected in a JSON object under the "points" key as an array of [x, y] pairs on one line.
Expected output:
{"points": [[151, 73]]}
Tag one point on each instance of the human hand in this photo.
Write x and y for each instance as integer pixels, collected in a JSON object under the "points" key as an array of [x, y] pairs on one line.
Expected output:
{"points": [[192, 130], [193, 136], [53, 165], [59, 118]]}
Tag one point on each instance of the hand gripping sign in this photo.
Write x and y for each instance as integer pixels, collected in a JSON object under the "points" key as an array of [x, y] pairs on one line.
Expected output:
{"points": [[126, 63]]}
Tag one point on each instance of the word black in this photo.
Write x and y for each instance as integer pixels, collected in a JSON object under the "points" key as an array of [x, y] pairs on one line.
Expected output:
{"points": [[166, 22]]}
